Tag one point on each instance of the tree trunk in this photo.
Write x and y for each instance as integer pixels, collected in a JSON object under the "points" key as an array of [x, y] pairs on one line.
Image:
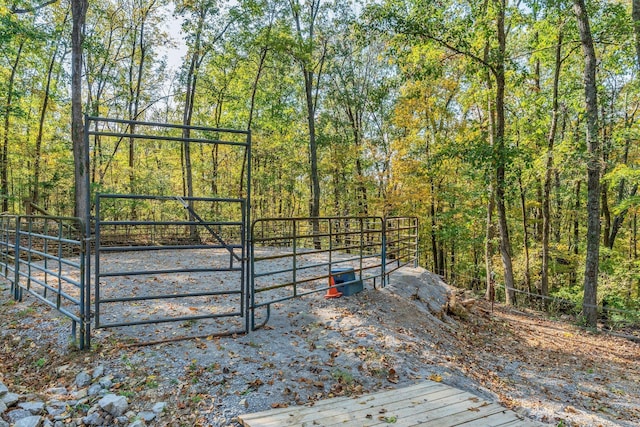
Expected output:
{"points": [[314, 204], [505, 242], [311, 96], [546, 202], [81, 167], [355, 120], [488, 248], [254, 91], [186, 134], [589, 306], [635, 14], [35, 191], [525, 231], [576, 232], [4, 156]]}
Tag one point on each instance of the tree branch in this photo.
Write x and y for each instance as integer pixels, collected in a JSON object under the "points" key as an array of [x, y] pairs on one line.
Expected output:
{"points": [[32, 9]]}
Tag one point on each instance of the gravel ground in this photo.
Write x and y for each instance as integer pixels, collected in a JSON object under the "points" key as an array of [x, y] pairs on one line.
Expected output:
{"points": [[313, 348]]}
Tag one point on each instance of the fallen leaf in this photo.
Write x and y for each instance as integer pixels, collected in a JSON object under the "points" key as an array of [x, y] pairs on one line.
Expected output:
{"points": [[279, 405]]}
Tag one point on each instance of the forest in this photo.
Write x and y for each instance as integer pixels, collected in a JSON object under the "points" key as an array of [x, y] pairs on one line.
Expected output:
{"points": [[509, 128]]}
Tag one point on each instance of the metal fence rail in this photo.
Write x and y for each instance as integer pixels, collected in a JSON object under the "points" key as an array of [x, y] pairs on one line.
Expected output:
{"points": [[8, 230], [292, 257], [401, 239], [46, 257]]}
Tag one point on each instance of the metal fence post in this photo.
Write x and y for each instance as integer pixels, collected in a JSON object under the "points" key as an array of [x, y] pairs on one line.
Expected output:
{"points": [[417, 242], [17, 294], [85, 289], [383, 262]]}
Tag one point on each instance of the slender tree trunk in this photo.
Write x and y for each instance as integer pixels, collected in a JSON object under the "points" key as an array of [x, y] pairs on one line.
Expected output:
{"points": [[434, 234], [574, 243], [618, 220], [314, 204], [525, 231], [635, 14], [589, 307], [190, 92], [135, 85], [81, 168], [500, 150], [490, 293], [35, 192], [254, 91], [4, 156], [546, 202], [355, 120], [605, 221], [311, 97], [488, 248]]}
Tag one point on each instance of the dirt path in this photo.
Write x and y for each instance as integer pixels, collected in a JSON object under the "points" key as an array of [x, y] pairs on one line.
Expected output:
{"points": [[314, 348]]}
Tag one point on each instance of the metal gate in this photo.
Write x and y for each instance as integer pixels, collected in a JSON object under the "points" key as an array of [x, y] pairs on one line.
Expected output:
{"points": [[159, 258]]}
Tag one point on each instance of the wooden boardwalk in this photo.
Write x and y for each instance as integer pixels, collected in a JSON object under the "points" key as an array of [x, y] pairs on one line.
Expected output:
{"points": [[424, 404]]}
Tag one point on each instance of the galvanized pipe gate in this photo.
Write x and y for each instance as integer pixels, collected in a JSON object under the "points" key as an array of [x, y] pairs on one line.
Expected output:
{"points": [[269, 260]]}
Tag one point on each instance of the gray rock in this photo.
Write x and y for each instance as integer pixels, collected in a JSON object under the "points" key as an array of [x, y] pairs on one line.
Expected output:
{"points": [[159, 407], [80, 394], [137, 423], [98, 372], [10, 399], [94, 389], [3, 389], [83, 379], [57, 390], [17, 414], [122, 420], [93, 409], [94, 419], [3, 423], [32, 421], [55, 410], [35, 408], [47, 423], [115, 405], [82, 401], [58, 424], [146, 415], [3, 407], [105, 382]]}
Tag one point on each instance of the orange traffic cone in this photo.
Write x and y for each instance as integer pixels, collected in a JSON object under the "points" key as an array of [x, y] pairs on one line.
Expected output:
{"points": [[332, 292]]}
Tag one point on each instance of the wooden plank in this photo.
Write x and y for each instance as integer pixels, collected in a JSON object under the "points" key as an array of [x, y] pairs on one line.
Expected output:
{"points": [[334, 410], [496, 420], [519, 421], [452, 414], [371, 414], [282, 413], [423, 412], [423, 404], [420, 412], [330, 403]]}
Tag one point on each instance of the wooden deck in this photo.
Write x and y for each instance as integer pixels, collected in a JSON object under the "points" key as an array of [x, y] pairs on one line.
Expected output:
{"points": [[424, 404]]}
